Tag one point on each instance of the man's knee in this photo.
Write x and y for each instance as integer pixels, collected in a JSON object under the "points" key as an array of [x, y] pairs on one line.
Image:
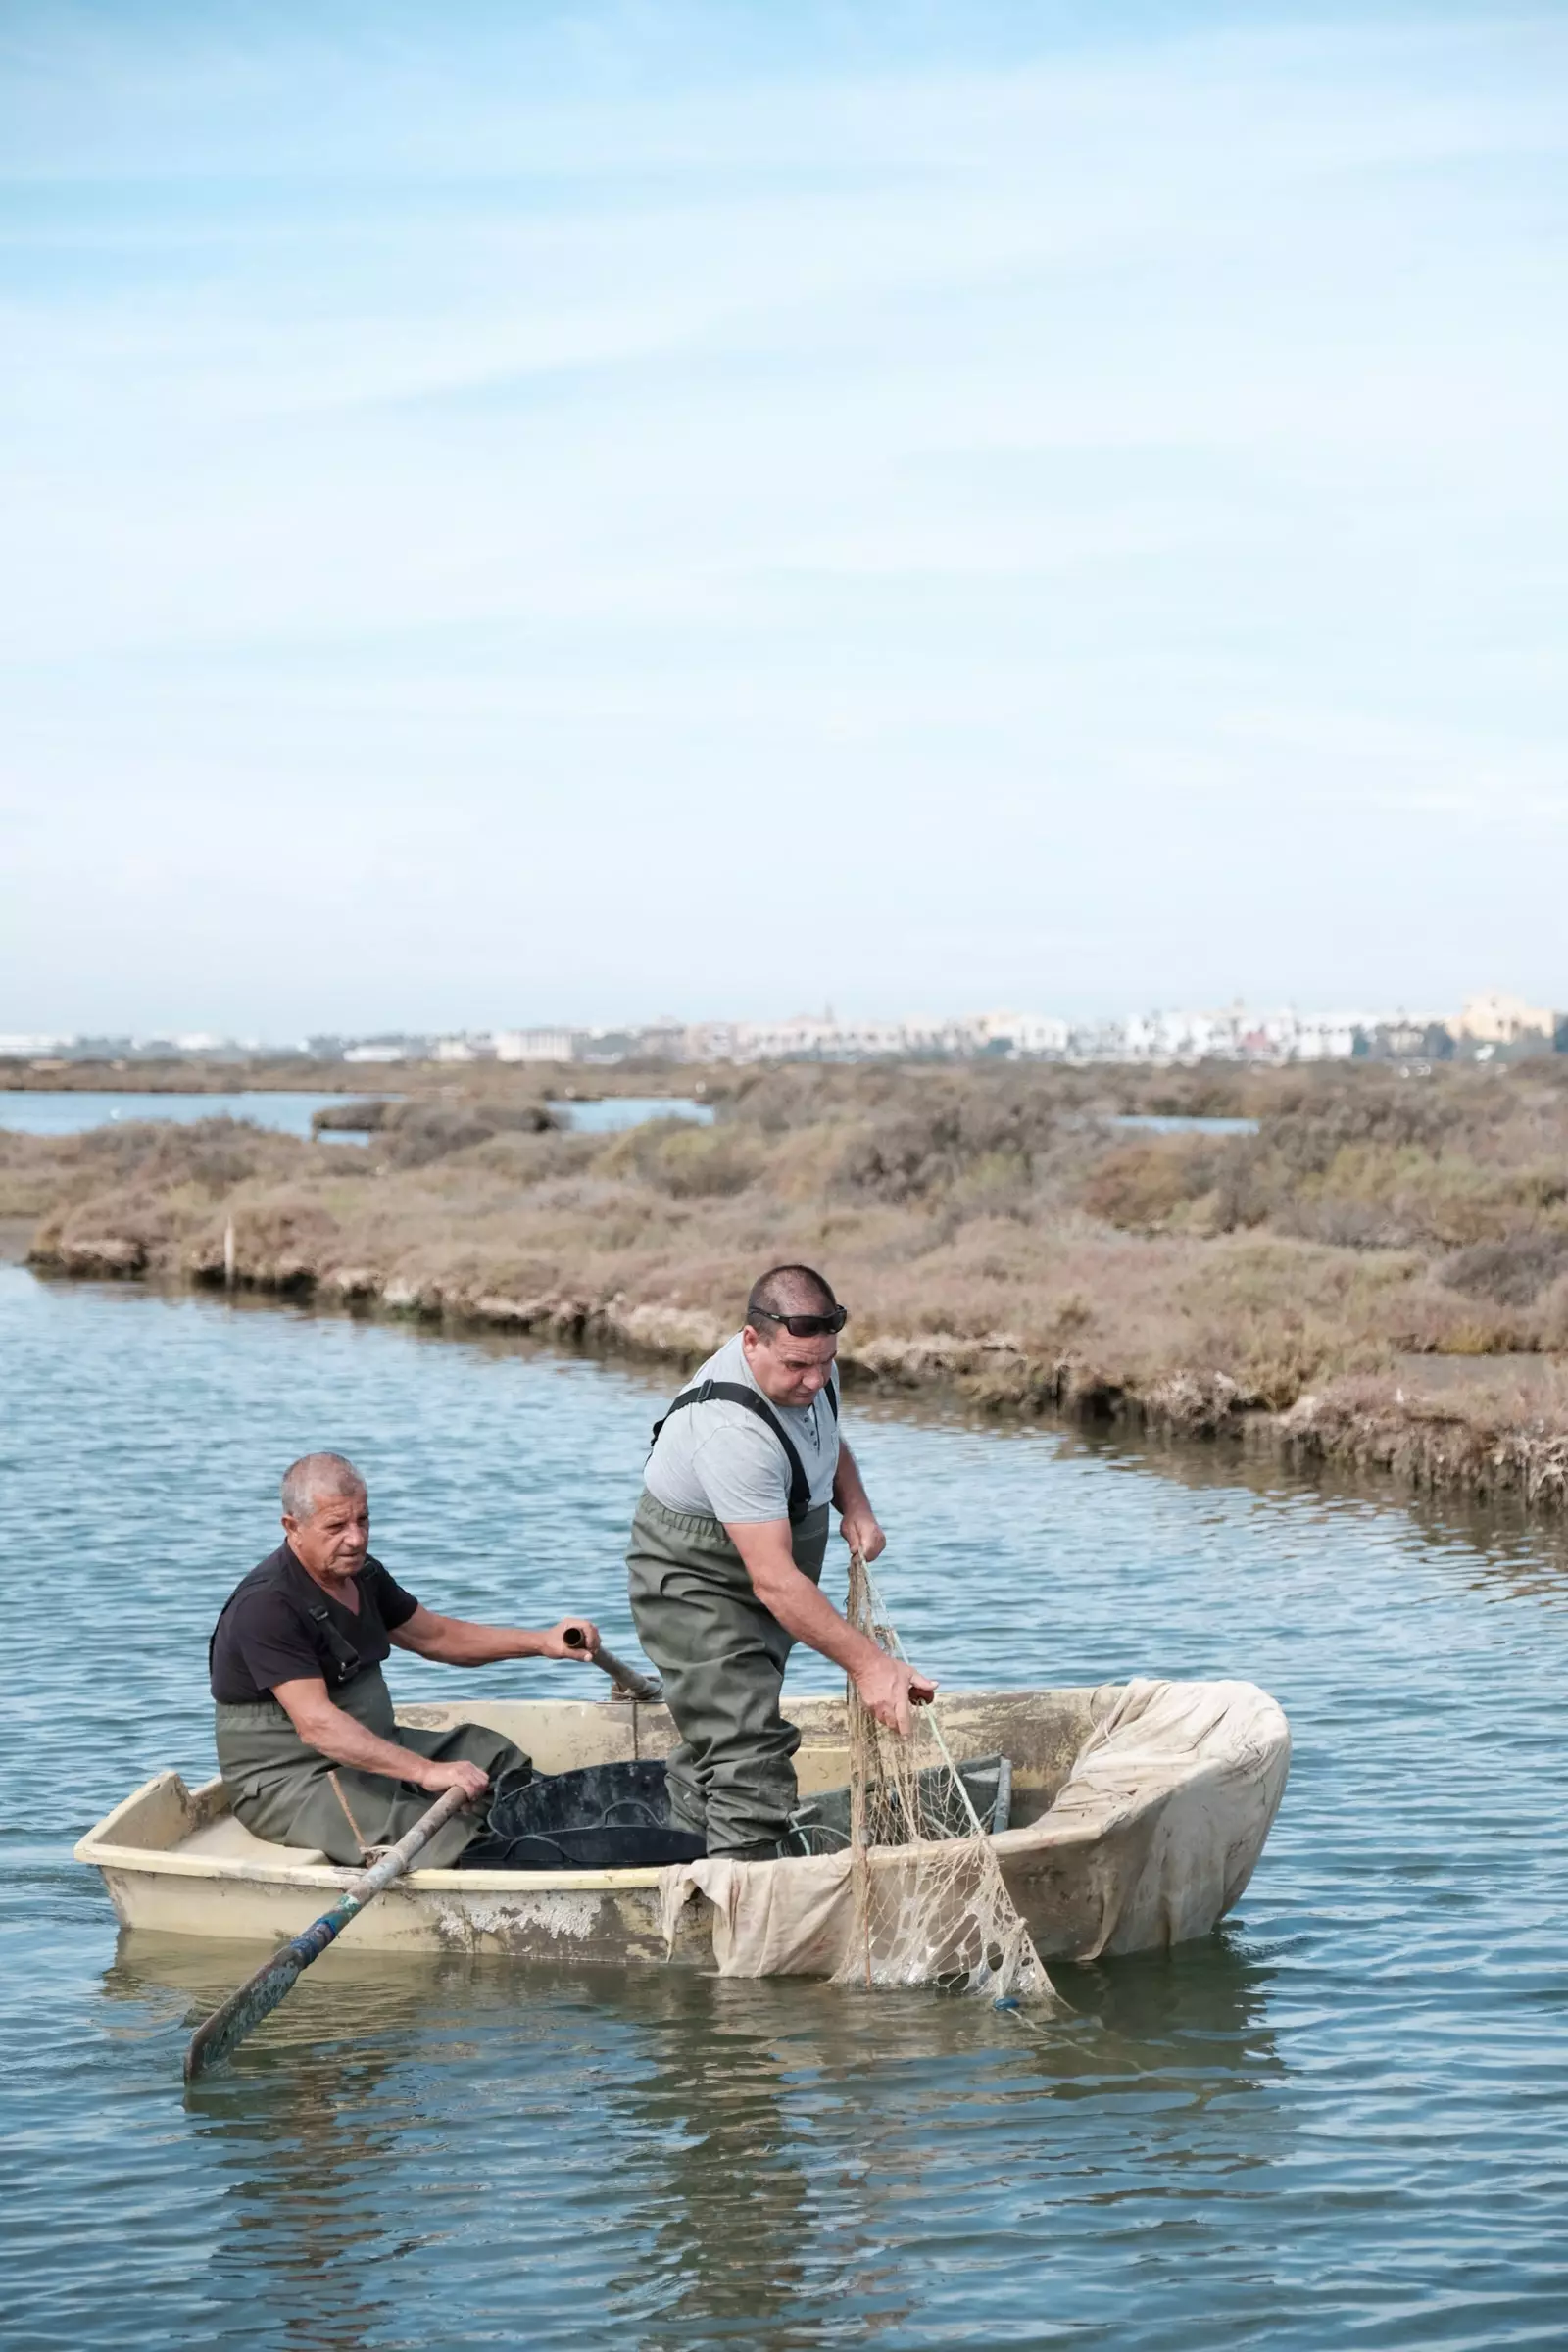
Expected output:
{"points": [[750, 1795], [736, 1791], [688, 1805]]}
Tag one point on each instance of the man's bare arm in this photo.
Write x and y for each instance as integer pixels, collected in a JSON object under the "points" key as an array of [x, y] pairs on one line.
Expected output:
{"points": [[459, 1642], [332, 1734], [887, 1685], [858, 1523]]}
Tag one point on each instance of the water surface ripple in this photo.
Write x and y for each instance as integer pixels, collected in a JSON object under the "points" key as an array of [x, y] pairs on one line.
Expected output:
{"points": [[1337, 2122]]}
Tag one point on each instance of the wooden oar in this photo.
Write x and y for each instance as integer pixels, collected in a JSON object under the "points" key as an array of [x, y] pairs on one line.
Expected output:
{"points": [[275, 1979], [628, 1683]]}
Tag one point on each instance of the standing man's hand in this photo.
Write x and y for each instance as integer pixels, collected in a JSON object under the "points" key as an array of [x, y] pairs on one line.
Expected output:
{"points": [[862, 1534], [889, 1690], [581, 1647]]}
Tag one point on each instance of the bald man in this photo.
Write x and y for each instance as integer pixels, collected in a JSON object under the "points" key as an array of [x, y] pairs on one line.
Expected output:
{"points": [[307, 1740], [727, 1555]]}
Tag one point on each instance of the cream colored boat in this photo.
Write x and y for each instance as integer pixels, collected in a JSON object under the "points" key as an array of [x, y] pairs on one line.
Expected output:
{"points": [[1139, 1811]]}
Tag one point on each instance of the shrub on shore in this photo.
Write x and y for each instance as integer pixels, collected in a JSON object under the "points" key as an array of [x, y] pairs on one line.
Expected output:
{"points": [[988, 1227], [1513, 1272]]}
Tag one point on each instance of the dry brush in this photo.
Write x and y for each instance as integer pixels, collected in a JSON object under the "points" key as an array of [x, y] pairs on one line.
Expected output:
{"points": [[991, 1228]]}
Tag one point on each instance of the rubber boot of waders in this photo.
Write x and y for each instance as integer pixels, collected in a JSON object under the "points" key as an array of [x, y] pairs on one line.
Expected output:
{"points": [[771, 1849]]}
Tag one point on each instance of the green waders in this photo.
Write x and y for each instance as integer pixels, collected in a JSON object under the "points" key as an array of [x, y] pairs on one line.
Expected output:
{"points": [[282, 1789], [722, 1657]]}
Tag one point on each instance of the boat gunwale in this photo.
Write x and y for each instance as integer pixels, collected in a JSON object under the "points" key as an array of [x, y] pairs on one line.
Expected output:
{"points": [[100, 1851], [331, 1878]]}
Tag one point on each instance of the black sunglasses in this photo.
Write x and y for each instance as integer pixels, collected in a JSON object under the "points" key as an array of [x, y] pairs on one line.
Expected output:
{"points": [[803, 1327]]}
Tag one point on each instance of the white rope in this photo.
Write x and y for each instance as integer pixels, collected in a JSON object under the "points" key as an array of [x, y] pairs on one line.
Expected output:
{"points": [[933, 1719]]}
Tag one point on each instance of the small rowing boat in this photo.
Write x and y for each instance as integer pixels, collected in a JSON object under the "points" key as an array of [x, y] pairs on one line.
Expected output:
{"points": [[1138, 1812]]}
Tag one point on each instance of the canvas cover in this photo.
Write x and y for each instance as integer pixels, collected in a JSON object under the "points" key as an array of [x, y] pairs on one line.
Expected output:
{"points": [[1164, 1811]]}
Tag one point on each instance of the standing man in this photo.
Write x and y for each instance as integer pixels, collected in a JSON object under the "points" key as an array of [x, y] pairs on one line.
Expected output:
{"points": [[726, 1554]]}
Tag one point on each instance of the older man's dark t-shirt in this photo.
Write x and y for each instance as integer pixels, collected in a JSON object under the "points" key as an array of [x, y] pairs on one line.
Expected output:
{"points": [[278, 1626]]}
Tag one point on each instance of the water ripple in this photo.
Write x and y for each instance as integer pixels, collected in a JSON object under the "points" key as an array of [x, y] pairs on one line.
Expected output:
{"points": [[1336, 2123]]}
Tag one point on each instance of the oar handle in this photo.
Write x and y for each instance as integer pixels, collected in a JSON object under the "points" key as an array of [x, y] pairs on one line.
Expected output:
{"points": [[626, 1679]]}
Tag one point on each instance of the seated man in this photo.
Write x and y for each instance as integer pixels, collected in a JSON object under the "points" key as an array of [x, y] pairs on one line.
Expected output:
{"points": [[306, 1738]]}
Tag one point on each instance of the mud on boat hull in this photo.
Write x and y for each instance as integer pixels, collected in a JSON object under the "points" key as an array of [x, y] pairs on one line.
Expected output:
{"points": [[1139, 1810]]}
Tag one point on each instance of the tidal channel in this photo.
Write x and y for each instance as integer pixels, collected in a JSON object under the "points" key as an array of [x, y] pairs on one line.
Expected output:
{"points": [[1337, 2122]]}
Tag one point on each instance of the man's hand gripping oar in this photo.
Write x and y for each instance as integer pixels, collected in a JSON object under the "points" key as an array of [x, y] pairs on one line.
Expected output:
{"points": [[630, 1684], [275, 1981]]}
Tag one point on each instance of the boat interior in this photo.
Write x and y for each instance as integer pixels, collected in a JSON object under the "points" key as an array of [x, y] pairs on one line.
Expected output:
{"points": [[1040, 1733]]}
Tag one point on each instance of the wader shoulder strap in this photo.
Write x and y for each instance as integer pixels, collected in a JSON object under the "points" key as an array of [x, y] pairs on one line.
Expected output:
{"points": [[346, 1660], [730, 1392], [345, 1657]]}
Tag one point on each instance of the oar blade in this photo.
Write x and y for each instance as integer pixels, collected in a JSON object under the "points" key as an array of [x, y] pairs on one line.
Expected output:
{"points": [[218, 2035]]}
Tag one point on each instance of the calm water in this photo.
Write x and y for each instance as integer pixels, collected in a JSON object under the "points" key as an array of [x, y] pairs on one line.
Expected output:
{"points": [[1180, 1123], [616, 1111], [71, 1113], [1339, 2121], [29, 1112]]}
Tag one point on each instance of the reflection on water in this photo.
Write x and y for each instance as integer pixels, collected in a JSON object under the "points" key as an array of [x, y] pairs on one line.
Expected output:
{"points": [[1495, 1537], [778, 2145], [1338, 2121]]}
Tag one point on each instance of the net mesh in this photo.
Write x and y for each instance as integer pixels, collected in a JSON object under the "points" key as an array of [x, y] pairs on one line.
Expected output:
{"points": [[931, 1905]]}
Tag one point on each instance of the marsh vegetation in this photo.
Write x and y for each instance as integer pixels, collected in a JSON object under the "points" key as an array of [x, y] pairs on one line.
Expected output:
{"points": [[991, 1227]]}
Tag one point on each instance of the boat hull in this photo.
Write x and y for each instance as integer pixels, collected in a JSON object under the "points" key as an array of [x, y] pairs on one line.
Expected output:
{"points": [[1140, 1810]]}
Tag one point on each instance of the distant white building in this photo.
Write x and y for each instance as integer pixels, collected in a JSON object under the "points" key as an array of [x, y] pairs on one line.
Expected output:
{"points": [[534, 1044], [712, 1041], [1164, 1036], [864, 1040], [1314, 1036], [1027, 1033], [802, 1039], [374, 1052], [463, 1048], [1233, 1035]]}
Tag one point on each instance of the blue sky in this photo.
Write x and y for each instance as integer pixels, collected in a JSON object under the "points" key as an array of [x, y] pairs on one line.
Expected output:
{"points": [[529, 513]]}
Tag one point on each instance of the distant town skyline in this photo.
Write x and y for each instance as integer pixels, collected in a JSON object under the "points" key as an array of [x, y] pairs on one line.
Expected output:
{"points": [[1489, 1021], [612, 511]]}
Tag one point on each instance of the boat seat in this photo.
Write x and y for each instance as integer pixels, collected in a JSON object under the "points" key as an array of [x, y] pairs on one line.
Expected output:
{"points": [[230, 1840]]}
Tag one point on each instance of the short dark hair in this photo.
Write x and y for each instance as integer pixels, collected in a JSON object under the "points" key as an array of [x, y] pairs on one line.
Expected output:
{"points": [[790, 1291]]}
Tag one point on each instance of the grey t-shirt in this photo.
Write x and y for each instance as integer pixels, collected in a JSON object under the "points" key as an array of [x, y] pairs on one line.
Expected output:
{"points": [[719, 1462]]}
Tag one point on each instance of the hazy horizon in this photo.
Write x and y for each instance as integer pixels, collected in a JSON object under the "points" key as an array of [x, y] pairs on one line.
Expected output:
{"points": [[602, 512], [196, 1042]]}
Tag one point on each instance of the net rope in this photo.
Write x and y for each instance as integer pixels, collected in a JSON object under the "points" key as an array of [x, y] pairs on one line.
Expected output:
{"points": [[931, 1905]]}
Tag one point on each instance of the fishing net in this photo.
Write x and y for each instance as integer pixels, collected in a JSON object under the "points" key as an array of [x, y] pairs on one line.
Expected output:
{"points": [[931, 1905]]}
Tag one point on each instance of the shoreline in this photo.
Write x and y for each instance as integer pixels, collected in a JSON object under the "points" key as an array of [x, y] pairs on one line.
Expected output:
{"points": [[1419, 1446], [1376, 1277]]}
